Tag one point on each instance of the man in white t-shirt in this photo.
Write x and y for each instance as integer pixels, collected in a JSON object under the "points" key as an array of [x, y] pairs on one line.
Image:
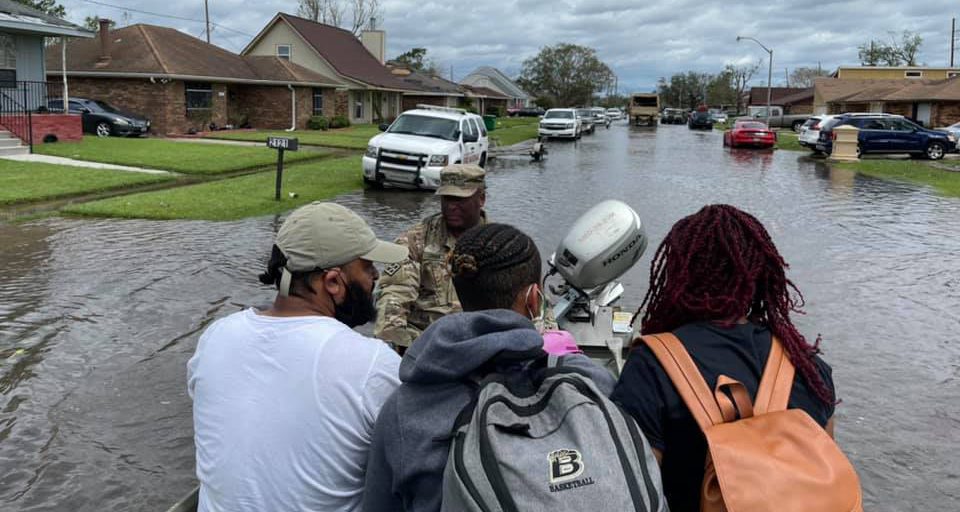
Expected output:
{"points": [[285, 399]]}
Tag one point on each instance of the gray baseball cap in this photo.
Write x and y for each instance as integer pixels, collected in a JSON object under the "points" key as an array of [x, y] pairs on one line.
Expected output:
{"points": [[325, 235], [461, 180]]}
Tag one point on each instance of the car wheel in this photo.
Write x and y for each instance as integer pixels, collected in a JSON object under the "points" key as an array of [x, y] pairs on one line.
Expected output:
{"points": [[372, 184], [935, 151], [797, 125], [103, 129]]}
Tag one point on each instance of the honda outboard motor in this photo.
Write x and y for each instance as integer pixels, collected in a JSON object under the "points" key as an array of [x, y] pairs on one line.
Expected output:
{"points": [[603, 244]]}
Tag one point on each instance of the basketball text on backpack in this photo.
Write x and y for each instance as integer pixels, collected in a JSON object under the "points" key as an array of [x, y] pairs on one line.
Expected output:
{"points": [[558, 445], [771, 458]]}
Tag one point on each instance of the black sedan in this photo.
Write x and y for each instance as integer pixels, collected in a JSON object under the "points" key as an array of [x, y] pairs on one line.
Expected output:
{"points": [[103, 119], [700, 121]]}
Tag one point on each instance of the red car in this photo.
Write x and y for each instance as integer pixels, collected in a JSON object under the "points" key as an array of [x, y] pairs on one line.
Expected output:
{"points": [[749, 133]]}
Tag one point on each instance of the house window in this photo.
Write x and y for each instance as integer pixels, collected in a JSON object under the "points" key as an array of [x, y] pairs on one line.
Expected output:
{"points": [[913, 74], [317, 101], [358, 105], [284, 51], [199, 96], [8, 61]]}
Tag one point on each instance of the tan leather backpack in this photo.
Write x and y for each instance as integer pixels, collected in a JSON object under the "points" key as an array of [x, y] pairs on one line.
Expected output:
{"points": [[768, 458]]}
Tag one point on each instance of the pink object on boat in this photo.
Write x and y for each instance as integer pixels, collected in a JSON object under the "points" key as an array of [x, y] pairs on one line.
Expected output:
{"points": [[559, 343]]}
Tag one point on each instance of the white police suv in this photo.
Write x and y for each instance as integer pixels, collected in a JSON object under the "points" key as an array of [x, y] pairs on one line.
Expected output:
{"points": [[413, 149]]}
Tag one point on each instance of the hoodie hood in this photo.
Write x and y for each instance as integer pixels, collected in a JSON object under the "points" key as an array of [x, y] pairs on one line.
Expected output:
{"points": [[456, 345]]}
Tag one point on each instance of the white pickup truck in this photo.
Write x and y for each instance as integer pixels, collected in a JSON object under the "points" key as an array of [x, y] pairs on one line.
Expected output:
{"points": [[777, 117], [413, 149]]}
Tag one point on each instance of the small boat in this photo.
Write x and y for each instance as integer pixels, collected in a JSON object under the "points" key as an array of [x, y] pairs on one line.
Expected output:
{"points": [[189, 502]]}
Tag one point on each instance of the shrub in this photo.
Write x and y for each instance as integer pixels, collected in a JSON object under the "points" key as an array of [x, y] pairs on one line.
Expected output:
{"points": [[339, 122], [318, 123]]}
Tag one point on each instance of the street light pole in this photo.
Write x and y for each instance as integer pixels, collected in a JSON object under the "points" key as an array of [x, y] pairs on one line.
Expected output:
{"points": [[769, 72]]}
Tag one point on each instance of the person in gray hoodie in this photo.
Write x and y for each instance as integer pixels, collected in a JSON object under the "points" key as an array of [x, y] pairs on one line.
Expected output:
{"points": [[496, 272]]}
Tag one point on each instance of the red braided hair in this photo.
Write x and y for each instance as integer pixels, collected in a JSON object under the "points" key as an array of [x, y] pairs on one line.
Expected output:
{"points": [[720, 264]]}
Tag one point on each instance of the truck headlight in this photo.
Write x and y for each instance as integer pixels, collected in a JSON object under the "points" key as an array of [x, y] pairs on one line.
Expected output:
{"points": [[571, 125], [372, 151], [952, 138], [438, 160]]}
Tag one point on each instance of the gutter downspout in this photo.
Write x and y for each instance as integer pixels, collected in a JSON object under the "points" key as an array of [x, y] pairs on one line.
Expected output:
{"points": [[63, 63], [293, 108]]}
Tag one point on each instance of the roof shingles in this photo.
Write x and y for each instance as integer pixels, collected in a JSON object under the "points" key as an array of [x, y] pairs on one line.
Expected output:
{"points": [[149, 49]]}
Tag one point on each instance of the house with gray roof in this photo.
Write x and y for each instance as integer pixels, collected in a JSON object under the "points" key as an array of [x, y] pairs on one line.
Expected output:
{"points": [[492, 78]]}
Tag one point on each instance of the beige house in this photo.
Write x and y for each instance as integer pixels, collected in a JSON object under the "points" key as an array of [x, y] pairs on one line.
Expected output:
{"points": [[370, 92], [894, 73], [933, 103]]}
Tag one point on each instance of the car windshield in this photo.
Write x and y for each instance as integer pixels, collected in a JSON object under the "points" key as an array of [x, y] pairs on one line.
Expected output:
{"points": [[559, 114], [424, 126]]}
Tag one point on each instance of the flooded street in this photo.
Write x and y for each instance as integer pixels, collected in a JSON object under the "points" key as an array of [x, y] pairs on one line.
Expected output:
{"points": [[99, 317]]}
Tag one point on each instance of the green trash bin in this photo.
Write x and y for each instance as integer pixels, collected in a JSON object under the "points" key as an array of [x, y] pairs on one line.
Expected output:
{"points": [[490, 122]]}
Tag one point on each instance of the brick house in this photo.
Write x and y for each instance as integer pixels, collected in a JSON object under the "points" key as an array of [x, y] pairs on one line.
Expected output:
{"points": [[493, 79], [183, 84], [932, 103], [487, 101], [794, 100], [371, 92]]}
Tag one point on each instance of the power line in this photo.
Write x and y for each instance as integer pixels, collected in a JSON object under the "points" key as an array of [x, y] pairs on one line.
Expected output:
{"points": [[170, 16]]}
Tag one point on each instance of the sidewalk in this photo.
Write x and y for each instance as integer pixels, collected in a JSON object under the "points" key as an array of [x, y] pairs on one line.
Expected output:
{"points": [[57, 160]]}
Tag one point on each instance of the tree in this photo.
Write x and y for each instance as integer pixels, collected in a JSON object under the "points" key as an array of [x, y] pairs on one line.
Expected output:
{"points": [[740, 76], [804, 76], [50, 7], [416, 59], [92, 23], [684, 90], [567, 74], [352, 15], [901, 52]]}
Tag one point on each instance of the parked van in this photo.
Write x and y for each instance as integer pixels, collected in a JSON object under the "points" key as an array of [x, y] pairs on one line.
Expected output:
{"points": [[413, 149]]}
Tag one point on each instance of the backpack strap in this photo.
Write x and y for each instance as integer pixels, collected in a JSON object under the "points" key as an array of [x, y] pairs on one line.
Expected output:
{"points": [[776, 382], [686, 377]]}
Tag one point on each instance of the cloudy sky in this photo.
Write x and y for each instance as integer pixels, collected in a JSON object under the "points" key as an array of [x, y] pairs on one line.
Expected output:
{"points": [[640, 40]]}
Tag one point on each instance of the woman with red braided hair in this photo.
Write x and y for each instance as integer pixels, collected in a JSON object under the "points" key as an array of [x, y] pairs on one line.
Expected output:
{"points": [[718, 283]]}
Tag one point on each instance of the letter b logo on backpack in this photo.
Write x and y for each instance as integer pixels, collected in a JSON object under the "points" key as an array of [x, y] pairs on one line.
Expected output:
{"points": [[564, 465]]}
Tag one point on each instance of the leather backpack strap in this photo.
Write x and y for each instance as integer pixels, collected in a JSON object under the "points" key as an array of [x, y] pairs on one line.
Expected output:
{"points": [[740, 396], [686, 378], [776, 382]]}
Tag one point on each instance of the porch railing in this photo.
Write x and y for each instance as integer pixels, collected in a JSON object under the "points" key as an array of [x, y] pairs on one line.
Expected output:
{"points": [[19, 100]]}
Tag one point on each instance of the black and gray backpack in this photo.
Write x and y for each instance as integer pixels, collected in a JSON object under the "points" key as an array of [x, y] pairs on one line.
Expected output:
{"points": [[553, 444]]}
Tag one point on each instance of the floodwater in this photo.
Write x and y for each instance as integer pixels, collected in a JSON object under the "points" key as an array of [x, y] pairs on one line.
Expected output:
{"points": [[98, 318]]}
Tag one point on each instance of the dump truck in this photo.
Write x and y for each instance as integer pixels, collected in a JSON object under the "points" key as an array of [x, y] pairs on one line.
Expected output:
{"points": [[644, 109]]}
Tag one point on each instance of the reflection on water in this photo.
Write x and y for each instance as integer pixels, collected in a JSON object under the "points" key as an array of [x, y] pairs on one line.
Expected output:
{"points": [[98, 318]]}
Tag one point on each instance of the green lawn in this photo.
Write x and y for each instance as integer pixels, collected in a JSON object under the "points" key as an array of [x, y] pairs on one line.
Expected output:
{"points": [[512, 130], [789, 141], [234, 198], [911, 171], [185, 157], [29, 181], [354, 137]]}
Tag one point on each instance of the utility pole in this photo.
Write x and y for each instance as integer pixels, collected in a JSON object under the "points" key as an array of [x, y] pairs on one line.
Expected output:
{"points": [[953, 38], [206, 15], [451, 73], [786, 74]]}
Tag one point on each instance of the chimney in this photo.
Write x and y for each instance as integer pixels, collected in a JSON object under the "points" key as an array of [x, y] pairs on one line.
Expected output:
{"points": [[105, 41], [375, 41]]}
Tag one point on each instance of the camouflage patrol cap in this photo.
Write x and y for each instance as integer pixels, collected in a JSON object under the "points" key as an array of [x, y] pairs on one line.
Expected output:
{"points": [[461, 180]]}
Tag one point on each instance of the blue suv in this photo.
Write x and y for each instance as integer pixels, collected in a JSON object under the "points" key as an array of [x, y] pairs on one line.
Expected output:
{"points": [[885, 133]]}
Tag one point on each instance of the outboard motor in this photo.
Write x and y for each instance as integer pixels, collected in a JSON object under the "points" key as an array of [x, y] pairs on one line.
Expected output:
{"points": [[603, 244], [538, 150]]}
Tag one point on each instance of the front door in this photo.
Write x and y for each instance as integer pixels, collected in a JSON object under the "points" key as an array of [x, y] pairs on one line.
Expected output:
{"points": [[923, 114]]}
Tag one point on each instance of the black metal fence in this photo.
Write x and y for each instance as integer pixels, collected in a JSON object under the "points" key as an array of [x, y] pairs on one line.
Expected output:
{"points": [[19, 100]]}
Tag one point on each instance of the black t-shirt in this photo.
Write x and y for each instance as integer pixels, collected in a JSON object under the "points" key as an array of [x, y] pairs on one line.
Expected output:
{"points": [[646, 392]]}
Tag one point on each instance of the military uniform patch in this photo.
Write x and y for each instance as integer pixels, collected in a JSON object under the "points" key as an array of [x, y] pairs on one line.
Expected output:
{"points": [[391, 269]]}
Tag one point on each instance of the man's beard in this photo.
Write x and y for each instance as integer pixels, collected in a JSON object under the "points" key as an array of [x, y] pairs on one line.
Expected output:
{"points": [[357, 308]]}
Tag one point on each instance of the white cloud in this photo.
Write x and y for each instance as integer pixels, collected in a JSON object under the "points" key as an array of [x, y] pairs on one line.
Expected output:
{"points": [[641, 41]]}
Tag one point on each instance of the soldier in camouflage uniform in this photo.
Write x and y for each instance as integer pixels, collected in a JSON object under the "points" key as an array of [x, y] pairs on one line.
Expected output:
{"points": [[415, 293]]}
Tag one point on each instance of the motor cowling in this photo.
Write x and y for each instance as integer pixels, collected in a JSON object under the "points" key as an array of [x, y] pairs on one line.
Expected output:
{"points": [[602, 245]]}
